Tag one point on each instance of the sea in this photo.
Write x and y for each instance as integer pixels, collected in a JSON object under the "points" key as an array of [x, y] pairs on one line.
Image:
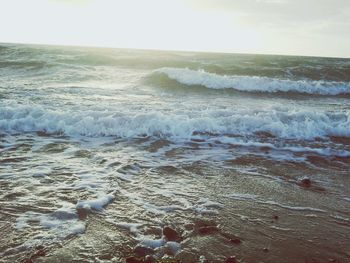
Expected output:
{"points": [[102, 149]]}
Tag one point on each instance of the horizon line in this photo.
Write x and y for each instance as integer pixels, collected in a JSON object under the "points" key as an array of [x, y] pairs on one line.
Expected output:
{"points": [[168, 50]]}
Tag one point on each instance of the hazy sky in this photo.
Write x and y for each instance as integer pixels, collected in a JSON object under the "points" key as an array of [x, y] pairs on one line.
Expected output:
{"points": [[303, 27]]}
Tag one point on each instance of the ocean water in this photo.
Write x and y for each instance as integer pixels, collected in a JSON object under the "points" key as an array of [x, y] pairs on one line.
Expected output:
{"points": [[102, 148]]}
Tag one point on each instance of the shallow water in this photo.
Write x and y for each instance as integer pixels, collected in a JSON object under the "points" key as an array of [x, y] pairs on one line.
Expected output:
{"points": [[101, 148]]}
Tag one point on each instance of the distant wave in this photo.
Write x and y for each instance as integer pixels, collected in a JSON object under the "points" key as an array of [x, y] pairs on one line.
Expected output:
{"points": [[280, 122], [253, 83]]}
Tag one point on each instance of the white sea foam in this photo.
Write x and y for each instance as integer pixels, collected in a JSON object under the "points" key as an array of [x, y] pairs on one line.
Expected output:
{"points": [[255, 198], [296, 208], [205, 206], [96, 204], [152, 243], [295, 149], [132, 227], [238, 196], [254, 83], [347, 199], [60, 223], [161, 244], [281, 122]]}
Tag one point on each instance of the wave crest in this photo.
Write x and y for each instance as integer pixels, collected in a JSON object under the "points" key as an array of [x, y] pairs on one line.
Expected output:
{"points": [[208, 80], [283, 123]]}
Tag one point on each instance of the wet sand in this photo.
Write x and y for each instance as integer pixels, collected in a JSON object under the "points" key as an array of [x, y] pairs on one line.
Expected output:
{"points": [[254, 208]]}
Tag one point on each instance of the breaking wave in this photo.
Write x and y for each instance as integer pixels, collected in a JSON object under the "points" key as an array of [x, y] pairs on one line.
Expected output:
{"points": [[253, 83], [281, 122]]}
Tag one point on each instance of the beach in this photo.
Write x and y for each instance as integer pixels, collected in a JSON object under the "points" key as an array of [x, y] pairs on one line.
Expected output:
{"points": [[115, 154]]}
